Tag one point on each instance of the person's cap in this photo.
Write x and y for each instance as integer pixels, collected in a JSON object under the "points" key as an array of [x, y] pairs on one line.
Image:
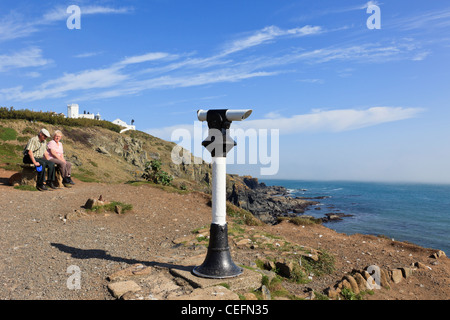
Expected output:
{"points": [[45, 133], [39, 168]]}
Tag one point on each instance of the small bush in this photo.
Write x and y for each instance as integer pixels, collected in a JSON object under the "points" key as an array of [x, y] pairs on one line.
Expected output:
{"points": [[154, 173]]}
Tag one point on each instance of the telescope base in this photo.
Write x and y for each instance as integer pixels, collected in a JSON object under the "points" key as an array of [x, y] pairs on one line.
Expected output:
{"points": [[218, 263]]}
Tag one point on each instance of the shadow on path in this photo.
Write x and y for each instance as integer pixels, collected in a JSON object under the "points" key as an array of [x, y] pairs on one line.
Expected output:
{"points": [[78, 253]]}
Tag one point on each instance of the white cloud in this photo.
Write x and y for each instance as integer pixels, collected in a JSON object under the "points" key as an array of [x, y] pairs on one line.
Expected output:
{"points": [[87, 55], [30, 57], [60, 87], [152, 56], [60, 13], [318, 121], [426, 20], [267, 34], [14, 25], [181, 81], [333, 120], [363, 53]]}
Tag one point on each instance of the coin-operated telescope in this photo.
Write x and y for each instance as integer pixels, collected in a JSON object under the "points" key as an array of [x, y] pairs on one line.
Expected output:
{"points": [[218, 263]]}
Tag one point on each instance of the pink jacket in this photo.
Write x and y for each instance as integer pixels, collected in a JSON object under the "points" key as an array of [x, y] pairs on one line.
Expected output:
{"points": [[57, 148]]}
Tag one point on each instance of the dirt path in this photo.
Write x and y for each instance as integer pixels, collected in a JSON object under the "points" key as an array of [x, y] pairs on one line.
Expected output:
{"points": [[39, 245]]}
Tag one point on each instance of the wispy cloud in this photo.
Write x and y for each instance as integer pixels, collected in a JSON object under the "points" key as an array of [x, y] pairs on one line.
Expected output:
{"points": [[14, 25], [268, 34], [30, 57], [340, 9], [437, 19], [333, 120], [60, 13], [318, 121], [362, 53], [60, 87], [87, 55], [152, 56]]}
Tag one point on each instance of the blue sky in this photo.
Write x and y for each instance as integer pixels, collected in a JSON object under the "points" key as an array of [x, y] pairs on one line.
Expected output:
{"points": [[350, 103]]}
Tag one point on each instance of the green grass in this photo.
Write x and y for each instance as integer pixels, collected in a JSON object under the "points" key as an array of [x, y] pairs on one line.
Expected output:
{"points": [[241, 216], [84, 175], [7, 134], [9, 156], [166, 188], [26, 188], [112, 207], [300, 221]]}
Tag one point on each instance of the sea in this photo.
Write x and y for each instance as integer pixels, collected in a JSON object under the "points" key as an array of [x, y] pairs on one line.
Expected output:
{"points": [[416, 213]]}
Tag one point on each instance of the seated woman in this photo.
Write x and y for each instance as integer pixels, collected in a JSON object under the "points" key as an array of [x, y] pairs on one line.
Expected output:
{"points": [[56, 153]]}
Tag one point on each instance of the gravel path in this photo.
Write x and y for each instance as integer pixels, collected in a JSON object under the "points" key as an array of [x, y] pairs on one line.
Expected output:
{"points": [[38, 246]]}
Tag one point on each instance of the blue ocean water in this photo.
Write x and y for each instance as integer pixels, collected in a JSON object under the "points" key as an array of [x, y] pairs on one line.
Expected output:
{"points": [[417, 213]]}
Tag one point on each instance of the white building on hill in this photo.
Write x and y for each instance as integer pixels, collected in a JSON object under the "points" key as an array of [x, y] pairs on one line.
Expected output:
{"points": [[124, 124], [73, 112]]}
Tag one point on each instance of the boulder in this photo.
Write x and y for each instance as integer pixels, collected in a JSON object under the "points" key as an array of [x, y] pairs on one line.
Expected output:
{"points": [[396, 275], [285, 268], [406, 272], [384, 279], [118, 289], [91, 203], [15, 179], [265, 293], [332, 293], [353, 284], [362, 283], [103, 150], [438, 254], [420, 265]]}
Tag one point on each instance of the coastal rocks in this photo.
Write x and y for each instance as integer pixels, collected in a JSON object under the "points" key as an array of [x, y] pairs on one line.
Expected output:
{"points": [[269, 203], [264, 202], [334, 216], [371, 278], [438, 254]]}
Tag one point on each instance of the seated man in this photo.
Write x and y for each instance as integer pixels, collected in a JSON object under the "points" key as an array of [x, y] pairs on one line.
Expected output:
{"points": [[36, 153]]}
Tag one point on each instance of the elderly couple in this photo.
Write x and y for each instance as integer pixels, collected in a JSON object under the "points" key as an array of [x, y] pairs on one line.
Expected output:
{"points": [[39, 153]]}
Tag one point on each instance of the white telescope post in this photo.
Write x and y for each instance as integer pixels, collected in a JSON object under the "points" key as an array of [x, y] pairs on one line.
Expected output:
{"points": [[219, 191], [218, 263]]}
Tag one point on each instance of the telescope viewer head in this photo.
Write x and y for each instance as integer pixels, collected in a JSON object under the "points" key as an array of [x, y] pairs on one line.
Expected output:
{"points": [[230, 114]]}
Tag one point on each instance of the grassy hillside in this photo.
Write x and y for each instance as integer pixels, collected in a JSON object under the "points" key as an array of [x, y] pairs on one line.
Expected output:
{"points": [[102, 155]]}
